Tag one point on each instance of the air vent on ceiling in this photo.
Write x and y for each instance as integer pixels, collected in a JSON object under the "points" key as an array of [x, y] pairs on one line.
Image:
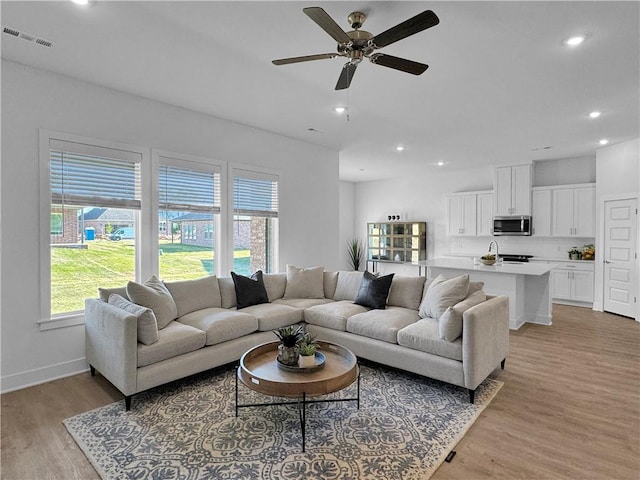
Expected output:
{"points": [[27, 36]]}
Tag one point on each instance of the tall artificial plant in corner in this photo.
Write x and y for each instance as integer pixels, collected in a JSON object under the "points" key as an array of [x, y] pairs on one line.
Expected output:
{"points": [[355, 251]]}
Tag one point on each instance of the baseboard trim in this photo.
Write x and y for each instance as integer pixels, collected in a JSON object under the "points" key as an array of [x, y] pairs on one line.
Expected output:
{"points": [[29, 378]]}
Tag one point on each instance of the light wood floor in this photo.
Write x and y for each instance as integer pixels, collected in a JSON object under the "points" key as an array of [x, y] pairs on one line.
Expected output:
{"points": [[569, 409]]}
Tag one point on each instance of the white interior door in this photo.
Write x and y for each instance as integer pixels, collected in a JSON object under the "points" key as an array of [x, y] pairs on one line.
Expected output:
{"points": [[620, 277]]}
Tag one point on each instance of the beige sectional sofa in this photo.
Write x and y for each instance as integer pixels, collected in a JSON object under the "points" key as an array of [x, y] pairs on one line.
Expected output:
{"points": [[204, 328]]}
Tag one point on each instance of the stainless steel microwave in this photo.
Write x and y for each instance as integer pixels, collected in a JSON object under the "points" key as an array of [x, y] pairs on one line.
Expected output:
{"points": [[520, 225]]}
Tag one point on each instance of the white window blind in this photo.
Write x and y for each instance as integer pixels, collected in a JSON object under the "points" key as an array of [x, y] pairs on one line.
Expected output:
{"points": [[183, 189], [255, 194], [89, 175]]}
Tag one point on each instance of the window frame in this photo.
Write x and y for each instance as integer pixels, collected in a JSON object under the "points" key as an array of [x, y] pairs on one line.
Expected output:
{"points": [[256, 173], [48, 321], [162, 157]]}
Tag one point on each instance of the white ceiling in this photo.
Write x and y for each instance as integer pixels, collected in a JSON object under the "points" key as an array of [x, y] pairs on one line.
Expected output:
{"points": [[500, 83]]}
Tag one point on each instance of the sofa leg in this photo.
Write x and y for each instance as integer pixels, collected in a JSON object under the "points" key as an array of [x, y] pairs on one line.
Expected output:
{"points": [[93, 370], [472, 395], [127, 402], [502, 363]]}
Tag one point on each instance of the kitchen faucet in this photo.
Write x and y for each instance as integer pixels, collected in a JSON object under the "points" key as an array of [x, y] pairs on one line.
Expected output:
{"points": [[493, 242]]}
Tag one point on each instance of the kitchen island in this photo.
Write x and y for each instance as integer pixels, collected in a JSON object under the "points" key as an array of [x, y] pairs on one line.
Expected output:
{"points": [[526, 284]]}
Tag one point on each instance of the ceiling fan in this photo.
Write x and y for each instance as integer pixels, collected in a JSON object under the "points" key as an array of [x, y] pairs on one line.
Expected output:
{"points": [[358, 44]]}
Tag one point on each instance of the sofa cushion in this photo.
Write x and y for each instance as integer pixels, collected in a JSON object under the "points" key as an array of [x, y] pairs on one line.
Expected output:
{"points": [[330, 280], [274, 315], [221, 324], [105, 293], [147, 324], [227, 292], [474, 287], [382, 324], [173, 340], [275, 283], [154, 295], [304, 282], [443, 293], [302, 303], [423, 335], [406, 292], [192, 295], [249, 290], [374, 290], [450, 323], [333, 315], [348, 285]]}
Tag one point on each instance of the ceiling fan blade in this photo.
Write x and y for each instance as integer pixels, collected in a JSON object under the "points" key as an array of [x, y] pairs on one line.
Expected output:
{"points": [[416, 24], [402, 64], [327, 23], [346, 75], [306, 58]]}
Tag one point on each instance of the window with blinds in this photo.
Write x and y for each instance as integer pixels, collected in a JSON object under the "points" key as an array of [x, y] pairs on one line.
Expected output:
{"points": [[189, 202], [95, 200], [255, 221]]}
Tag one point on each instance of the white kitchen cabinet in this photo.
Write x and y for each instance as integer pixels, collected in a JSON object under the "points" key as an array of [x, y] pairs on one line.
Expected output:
{"points": [[484, 210], [461, 214], [512, 190], [470, 213], [573, 282], [573, 212], [541, 211]]}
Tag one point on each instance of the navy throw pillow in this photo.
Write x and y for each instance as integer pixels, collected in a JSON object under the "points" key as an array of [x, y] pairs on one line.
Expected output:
{"points": [[374, 290], [249, 290]]}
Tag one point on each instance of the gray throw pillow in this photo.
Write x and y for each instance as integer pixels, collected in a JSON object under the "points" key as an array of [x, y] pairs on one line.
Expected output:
{"points": [[442, 294], [147, 325], [304, 282], [450, 323], [154, 295]]}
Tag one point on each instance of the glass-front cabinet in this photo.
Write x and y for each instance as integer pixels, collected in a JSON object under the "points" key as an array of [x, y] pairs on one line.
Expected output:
{"points": [[397, 242]]}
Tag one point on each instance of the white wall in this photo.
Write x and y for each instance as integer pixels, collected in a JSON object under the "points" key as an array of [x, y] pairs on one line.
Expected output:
{"points": [[419, 197], [617, 175], [34, 99], [564, 171], [347, 223]]}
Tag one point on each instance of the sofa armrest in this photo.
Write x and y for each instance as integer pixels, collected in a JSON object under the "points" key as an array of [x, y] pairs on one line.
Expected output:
{"points": [[112, 343], [485, 339]]}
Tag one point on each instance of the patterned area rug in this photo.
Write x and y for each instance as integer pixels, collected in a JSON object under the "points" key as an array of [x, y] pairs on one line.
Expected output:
{"points": [[404, 429]]}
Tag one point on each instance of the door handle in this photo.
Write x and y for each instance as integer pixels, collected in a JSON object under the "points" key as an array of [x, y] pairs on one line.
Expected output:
{"points": [[607, 261]]}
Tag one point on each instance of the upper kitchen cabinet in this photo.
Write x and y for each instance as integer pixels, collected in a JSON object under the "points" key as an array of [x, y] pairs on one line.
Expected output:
{"points": [[574, 210], [512, 190], [461, 214], [541, 211]]}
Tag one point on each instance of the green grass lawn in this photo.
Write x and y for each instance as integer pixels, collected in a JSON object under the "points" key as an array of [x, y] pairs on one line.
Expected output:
{"points": [[77, 273]]}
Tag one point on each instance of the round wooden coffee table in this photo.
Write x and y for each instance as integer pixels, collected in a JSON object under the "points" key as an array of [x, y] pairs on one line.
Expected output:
{"points": [[259, 371]]}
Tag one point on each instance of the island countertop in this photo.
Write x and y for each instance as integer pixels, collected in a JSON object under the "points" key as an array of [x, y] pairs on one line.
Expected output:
{"points": [[514, 268]]}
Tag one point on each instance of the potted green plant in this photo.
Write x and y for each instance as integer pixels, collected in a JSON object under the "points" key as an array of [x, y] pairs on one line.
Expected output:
{"points": [[307, 348], [355, 250], [574, 253], [288, 349]]}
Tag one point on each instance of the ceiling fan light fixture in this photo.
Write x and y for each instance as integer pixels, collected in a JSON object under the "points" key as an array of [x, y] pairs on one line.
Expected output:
{"points": [[575, 40]]}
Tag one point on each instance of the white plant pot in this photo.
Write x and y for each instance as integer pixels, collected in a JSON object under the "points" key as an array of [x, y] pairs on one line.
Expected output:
{"points": [[307, 361]]}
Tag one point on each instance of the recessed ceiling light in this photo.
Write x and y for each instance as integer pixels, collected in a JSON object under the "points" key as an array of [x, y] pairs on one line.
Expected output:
{"points": [[440, 163], [574, 41], [400, 148], [340, 109], [595, 114], [81, 2], [604, 141]]}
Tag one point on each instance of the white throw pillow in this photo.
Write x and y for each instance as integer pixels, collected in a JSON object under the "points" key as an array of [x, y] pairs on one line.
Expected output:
{"points": [[192, 295], [147, 325], [304, 282], [154, 295], [443, 293], [450, 323]]}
